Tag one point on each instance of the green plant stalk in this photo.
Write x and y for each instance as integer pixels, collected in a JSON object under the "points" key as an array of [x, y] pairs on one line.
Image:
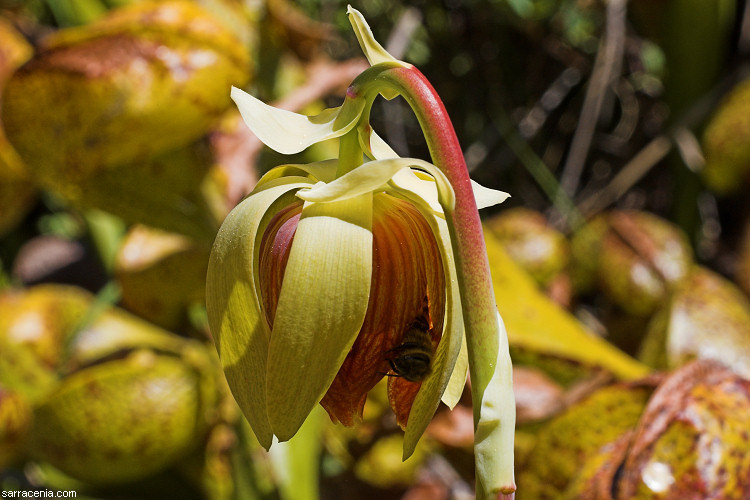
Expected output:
{"points": [[489, 359], [350, 153], [296, 461]]}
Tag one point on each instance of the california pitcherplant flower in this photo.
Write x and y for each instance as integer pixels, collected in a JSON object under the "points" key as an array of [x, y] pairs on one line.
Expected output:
{"points": [[331, 275]]}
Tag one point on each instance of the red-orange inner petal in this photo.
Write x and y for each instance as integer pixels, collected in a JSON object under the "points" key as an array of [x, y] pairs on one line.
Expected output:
{"points": [[408, 287], [274, 254], [407, 267]]}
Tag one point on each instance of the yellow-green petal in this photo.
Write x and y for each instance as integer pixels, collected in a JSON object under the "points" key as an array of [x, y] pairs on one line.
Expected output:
{"points": [[426, 190], [281, 181], [234, 313], [288, 132], [376, 148], [321, 308]]}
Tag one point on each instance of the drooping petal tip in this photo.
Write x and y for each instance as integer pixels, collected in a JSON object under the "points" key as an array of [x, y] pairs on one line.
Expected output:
{"points": [[487, 197]]}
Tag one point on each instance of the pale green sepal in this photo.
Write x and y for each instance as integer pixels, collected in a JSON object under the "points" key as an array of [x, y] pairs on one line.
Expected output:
{"points": [[457, 383], [319, 171], [374, 174], [233, 307], [374, 52], [282, 181], [494, 431], [288, 132], [426, 190], [434, 387], [378, 149], [366, 178], [321, 308], [486, 197], [374, 146]]}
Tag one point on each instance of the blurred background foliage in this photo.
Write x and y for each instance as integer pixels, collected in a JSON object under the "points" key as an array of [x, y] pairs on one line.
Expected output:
{"points": [[621, 263]]}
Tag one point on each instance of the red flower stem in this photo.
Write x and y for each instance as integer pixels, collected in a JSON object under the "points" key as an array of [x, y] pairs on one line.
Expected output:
{"points": [[473, 270]]}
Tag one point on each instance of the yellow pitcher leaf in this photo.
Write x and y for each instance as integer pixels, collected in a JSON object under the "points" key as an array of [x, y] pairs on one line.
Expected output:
{"points": [[537, 324]]}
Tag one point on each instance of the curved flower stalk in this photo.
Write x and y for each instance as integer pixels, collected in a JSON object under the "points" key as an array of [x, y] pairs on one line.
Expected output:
{"points": [[331, 275]]}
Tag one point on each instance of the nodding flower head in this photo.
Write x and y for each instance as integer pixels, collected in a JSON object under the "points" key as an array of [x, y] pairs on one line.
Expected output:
{"points": [[332, 275]]}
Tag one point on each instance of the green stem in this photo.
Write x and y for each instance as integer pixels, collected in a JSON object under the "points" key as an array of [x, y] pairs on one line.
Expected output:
{"points": [[350, 152], [489, 361]]}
